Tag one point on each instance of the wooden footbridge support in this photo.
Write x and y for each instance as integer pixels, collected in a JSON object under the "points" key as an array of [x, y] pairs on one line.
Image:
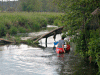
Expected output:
{"points": [[53, 32]]}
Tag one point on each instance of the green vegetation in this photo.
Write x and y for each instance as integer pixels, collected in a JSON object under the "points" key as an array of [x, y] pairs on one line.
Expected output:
{"points": [[2, 30], [22, 22], [85, 27], [28, 5], [78, 21], [38, 5]]}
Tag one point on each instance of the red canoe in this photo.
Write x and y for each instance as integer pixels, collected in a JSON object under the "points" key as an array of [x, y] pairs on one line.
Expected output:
{"points": [[60, 50]]}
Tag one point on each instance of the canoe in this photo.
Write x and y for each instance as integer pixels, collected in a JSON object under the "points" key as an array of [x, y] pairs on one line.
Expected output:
{"points": [[60, 50], [68, 48]]}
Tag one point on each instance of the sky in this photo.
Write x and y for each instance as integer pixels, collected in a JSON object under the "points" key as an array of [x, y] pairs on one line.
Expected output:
{"points": [[9, 0]]}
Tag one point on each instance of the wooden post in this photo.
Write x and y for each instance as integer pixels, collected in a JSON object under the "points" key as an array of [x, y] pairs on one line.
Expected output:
{"points": [[46, 42], [54, 36]]}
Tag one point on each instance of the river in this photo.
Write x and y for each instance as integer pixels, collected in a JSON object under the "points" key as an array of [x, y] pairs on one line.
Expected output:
{"points": [[29, 60]]}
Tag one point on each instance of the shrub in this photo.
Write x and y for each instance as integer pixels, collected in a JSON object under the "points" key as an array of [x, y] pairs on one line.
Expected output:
{"points": [[34, 25], [57, 22], [42, 22], [7, 23], [98, 61], [94, 44], [22, 20], [3, 30], [13, 30], [51, 19], [17, 39], [21, 30]]}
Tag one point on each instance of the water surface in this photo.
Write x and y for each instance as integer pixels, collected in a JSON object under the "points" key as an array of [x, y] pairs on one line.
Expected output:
{"points": [[28, 60]]}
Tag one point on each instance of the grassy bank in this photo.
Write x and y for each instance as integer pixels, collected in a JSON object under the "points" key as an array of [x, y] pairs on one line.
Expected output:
{"points": [[22, 22]]}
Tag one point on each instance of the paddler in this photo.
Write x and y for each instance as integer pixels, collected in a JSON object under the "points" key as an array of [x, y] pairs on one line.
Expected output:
{"points": [[61, 43]]}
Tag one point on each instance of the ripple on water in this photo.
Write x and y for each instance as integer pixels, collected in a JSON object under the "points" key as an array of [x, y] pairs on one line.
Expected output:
{"points": [[26, 60]]}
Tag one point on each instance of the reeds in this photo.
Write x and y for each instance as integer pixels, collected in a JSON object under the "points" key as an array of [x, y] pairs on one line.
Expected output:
{"points": [[23, 22]]}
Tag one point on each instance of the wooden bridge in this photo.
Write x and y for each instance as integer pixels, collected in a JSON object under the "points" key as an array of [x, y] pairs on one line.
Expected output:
{"points": [[51, 33]]}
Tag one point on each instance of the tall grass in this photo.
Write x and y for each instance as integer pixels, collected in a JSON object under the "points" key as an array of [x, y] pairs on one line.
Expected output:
{"points": [[25, 22]]}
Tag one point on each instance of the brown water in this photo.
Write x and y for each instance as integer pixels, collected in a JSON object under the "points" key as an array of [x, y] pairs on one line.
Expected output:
{"points": [[27, 60]]}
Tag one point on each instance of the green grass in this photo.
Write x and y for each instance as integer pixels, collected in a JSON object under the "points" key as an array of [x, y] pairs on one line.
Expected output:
{"points": [[23, 22]]}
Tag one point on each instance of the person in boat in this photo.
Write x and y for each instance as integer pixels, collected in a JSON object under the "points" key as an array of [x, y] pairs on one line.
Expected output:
{"points": [[61, 43]]}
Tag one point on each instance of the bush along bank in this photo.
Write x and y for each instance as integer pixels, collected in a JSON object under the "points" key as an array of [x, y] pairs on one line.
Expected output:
{"points": [[24, 22], [89, 48], [14, 24]]}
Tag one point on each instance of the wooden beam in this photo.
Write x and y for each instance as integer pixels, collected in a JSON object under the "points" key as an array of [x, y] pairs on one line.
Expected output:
{"points": [[5, 41], [46, 42], [58, 31]]}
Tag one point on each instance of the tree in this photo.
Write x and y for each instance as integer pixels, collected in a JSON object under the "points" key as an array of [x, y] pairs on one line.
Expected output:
{"points": [[30, 5], [38, 5], [2, 5], [78, 19]]}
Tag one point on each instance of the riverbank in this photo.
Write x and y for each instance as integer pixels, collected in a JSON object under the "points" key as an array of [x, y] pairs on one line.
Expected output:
{"points": [[23, 22], [28, 38]]}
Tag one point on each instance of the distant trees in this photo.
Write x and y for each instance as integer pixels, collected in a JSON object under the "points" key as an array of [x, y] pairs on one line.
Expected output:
{"points": [[9, 5], [2, 5], [29, 5], [32, 5], [38, 5]]}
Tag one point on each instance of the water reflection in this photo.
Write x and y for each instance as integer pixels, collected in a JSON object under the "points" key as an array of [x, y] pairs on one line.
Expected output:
{"points": [[27, 60], [24, 59]]}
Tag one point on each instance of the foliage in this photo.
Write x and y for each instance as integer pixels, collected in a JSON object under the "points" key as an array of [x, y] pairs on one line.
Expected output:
{"points": [[79, 22], [51, 19], [98, 61], [38, 5], [2, 30], [23, 22], [13, 30], [30, 42], [29, 5], [57, 22], [94, 44], [17, 39], [22, 30], [42, 21]]}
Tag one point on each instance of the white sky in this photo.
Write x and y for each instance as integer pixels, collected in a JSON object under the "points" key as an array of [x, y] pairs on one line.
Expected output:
{"points": [[9, 0]]}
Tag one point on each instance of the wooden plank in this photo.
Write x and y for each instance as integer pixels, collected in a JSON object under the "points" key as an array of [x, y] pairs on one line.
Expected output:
{"points": [[57, 31]]}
